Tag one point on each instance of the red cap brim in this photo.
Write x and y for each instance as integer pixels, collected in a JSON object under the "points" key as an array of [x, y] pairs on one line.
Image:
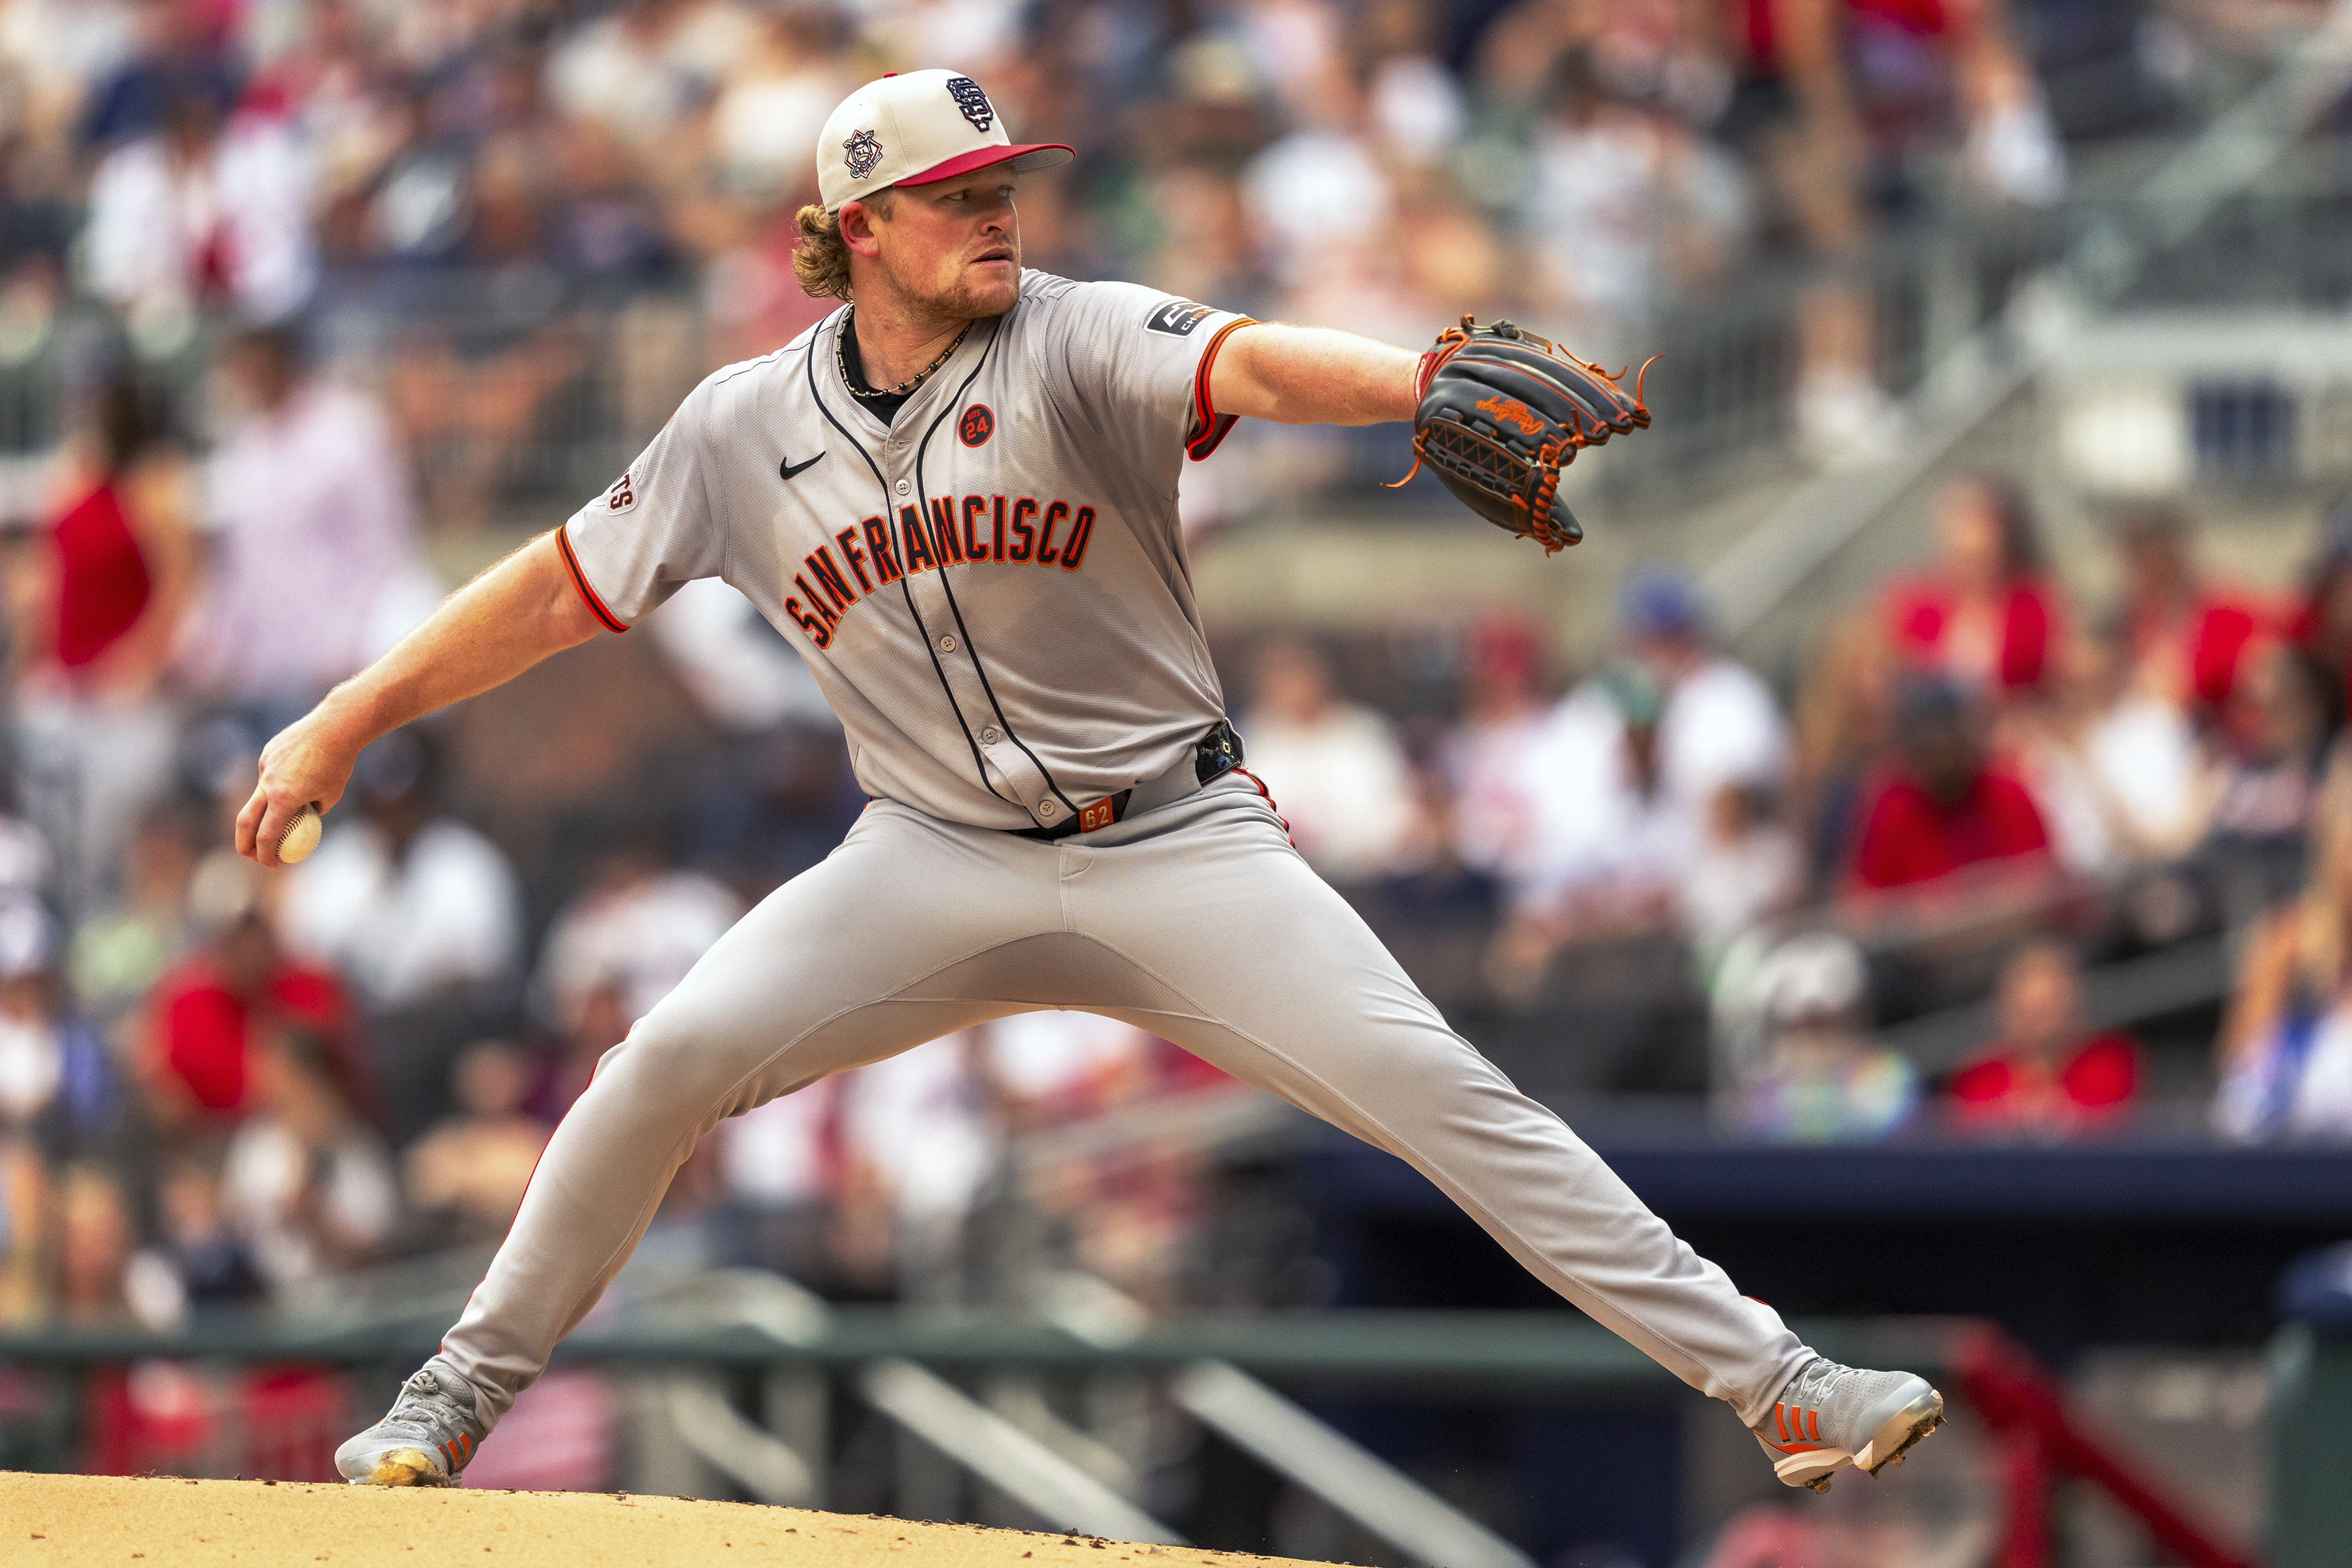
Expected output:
{"points": [[1023, 156]]}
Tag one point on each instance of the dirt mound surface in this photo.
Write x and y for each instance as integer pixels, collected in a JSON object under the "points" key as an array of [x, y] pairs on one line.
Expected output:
{"points": [[52, 1522]]}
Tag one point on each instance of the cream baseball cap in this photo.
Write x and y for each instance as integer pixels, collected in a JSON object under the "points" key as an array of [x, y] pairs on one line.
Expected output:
{"points": [[916, 128]]}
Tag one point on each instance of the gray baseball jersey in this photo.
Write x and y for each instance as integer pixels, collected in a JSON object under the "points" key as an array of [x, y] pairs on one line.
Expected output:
{"points": [[991, 589]]}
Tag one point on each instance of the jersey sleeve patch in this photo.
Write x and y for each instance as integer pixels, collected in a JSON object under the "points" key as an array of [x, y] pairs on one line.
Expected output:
{"points": [[622, 494], [1177, 318]]}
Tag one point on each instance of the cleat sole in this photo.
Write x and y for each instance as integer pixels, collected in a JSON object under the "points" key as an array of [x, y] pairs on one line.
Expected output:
{"points": [[406, 1468], [1922, 1416], [1812, 1468]]}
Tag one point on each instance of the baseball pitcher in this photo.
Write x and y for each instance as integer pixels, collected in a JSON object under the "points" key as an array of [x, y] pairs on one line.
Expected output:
{"points": [[956, 496]]}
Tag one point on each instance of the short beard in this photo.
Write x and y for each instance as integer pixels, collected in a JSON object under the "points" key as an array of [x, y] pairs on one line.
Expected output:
{"points": [[964, 301]]}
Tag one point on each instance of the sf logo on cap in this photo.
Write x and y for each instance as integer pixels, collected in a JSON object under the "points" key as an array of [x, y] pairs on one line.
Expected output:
{"points": [[972, 101], [864, 151]]}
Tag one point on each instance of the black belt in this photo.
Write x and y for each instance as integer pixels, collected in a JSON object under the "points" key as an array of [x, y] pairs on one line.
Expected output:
{"points": [[1214, 755]]}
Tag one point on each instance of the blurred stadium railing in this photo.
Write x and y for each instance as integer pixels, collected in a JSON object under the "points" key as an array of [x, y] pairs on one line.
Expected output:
{"points": [[735, 1363]]}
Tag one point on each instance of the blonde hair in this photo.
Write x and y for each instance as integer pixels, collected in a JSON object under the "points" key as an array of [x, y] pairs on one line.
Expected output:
{"points": [[821, 260]]}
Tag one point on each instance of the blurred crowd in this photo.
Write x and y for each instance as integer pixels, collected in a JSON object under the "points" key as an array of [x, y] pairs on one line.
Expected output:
{"points": [[496, 202], [1981, 788], [218, 1087]]}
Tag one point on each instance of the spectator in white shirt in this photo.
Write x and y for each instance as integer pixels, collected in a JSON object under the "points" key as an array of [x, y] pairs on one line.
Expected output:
{"points": [[626, 940], [778, 92], [2112, 764], [306, 1186], [1612, 841], [1634, 786], [646, 68], [410, 905], [1628, 774], [202, 215], [421, 914], [1746, 865], [916, 1122], [1486, 761], [1720, 724], [1623, 205], [315, 571], [1334, 768]]}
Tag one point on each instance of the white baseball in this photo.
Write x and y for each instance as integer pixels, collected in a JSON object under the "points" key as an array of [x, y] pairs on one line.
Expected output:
{"points": [[300, 836]]}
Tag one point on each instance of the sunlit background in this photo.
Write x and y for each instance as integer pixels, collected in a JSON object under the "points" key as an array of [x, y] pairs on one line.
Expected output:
{"points": [[1910, 838]]}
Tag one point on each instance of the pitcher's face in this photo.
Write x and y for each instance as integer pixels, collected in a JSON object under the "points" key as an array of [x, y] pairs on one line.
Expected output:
{"points": [[952, 248]]}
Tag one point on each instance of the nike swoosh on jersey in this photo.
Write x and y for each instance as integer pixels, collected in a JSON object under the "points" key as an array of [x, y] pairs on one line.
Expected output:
{"points": [[787, 468]]}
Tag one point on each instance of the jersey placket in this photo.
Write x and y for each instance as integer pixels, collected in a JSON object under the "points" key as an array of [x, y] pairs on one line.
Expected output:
{"points": [[1018, 778], [1008, 768]]}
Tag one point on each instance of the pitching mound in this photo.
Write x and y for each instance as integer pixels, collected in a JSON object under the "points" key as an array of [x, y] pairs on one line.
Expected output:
{"points": [[51, 1521]]}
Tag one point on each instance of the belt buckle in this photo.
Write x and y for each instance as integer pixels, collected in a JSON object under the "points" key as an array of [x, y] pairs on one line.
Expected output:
{"points": [[1101, 814], [1217, 753]]}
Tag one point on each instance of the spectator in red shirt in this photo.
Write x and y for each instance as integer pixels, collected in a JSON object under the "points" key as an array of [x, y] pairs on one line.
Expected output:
{"points": [[1983, 614], [2187, 640], [1944, 808], [104, 607], [206, 1011], [2048, 1074]]}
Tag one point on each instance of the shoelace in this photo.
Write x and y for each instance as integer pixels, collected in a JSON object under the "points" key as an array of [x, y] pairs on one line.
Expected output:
{"points": [[423, 1388]]}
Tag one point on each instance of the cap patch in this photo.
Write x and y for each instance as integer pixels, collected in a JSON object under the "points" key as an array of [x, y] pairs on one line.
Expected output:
{"points": [[1177, 318], [972, 101], [863, 151]]}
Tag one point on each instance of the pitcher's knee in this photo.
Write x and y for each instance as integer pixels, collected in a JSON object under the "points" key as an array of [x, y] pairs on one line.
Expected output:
{"points": [[665, 1053], [1433, 1061], [685, 1055]]}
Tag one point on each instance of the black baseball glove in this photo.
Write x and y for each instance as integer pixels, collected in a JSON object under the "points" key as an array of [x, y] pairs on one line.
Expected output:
{"points": [[1503, 411]]}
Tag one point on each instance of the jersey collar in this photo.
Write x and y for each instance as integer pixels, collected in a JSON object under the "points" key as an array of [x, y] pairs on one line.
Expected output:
{"points": [[919, 405]]}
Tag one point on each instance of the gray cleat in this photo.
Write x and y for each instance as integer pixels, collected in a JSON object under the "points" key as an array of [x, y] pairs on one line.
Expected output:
{"points": [[432, 1432], [1831, 1416]]}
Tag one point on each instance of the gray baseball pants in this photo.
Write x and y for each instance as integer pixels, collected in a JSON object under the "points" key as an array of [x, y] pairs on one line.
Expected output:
{"points": [[1197, 923]]}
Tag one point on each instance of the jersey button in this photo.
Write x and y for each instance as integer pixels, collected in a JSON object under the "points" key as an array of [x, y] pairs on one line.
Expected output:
{"points": [[904, 487], [990, 735], [1045, 810], [947, 643]]}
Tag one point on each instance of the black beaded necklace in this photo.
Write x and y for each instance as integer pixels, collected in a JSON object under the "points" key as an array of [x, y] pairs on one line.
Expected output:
{"points": [[905, 389]]}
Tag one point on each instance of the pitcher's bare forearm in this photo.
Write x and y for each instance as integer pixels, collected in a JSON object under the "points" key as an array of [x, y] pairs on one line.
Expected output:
{"points": [[486, 633], [1312, 375]]}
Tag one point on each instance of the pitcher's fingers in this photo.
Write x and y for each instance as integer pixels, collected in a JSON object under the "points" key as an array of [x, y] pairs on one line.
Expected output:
{"points": [[248, 823], [272, 830]]}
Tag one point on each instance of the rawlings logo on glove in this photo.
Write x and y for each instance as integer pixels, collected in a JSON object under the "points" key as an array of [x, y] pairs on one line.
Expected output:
{"points": [[1510, 411], [1503, 411]]}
